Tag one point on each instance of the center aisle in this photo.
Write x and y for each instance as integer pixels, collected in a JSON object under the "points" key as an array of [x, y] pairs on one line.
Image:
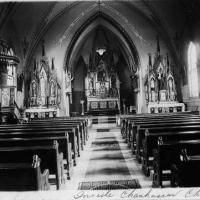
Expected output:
{"points": [[106, 160], [106, 157]]}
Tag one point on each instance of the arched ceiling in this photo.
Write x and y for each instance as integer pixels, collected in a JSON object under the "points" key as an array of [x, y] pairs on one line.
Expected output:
{"points": [[33, 19]]}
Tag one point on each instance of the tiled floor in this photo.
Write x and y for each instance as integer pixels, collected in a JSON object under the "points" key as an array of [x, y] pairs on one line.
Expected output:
{"points": [[100, 161]]}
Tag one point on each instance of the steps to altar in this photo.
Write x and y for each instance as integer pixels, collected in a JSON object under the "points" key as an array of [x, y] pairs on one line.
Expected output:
{"points": [[103, 119]]}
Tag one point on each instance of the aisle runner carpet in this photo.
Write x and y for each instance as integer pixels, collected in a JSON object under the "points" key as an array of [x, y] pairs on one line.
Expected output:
{"points": [[103, 130], [109, 185], [107, 167]]}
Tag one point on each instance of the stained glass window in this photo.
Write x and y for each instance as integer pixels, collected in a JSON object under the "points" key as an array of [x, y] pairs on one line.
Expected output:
{"points": [[192, 70]]}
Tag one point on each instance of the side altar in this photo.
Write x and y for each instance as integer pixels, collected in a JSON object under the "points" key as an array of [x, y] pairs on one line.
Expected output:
{"points": [[44, 90], [160, 87], [102, 85]]}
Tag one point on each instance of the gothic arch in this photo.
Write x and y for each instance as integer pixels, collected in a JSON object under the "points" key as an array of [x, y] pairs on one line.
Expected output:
{"points": [[101, 18]]}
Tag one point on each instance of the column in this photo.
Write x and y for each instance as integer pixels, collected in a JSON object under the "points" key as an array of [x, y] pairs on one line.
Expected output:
{"points": [[67, 105], [82, 107]]}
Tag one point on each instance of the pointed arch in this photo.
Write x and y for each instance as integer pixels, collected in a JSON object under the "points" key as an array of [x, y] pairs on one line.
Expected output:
{"points": [[93, 21]]}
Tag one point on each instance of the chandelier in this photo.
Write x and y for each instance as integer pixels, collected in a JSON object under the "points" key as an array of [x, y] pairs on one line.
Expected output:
{"points": [[101, 50]]}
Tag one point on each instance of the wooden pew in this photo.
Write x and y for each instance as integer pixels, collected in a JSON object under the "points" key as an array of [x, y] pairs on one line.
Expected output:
{"points": [[151, 140], [49, 154], [45, 131], [186, 172], [44, 126], [32, 133], [83, 121], [134, 128], [148, 116], [157, 130], [130, 123], [26, 176], [23, 139], [35, 127], [77, 124], [167, 155]]}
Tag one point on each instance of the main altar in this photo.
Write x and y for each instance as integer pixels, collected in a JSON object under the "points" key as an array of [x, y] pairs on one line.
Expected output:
{"points": [[160, 87], [102, 85]]}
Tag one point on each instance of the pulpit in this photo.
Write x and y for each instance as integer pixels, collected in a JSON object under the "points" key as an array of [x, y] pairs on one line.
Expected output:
{"points": [[8, 80]]}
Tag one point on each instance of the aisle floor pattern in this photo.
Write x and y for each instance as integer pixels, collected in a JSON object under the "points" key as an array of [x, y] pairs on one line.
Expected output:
{"points": [[106, 157]]}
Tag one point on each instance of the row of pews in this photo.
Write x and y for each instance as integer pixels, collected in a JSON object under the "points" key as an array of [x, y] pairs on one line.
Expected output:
{"points": [[168, 145], [33, 151]]}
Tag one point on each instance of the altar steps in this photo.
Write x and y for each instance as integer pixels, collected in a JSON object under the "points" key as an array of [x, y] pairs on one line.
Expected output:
{"points": [[103, 119], [109, 112]]}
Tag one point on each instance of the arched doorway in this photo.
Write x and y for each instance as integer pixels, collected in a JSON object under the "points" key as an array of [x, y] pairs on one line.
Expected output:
{"points": [[101, 46]]}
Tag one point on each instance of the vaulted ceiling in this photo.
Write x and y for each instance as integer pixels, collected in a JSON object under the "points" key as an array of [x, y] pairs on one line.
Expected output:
{"points": [[29, 21]]}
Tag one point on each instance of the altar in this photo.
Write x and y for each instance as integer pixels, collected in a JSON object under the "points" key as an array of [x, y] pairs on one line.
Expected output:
{"points": [[34, 113], [160, 87], [44, 90], [102, 86], [165, 107], [102, 104]]}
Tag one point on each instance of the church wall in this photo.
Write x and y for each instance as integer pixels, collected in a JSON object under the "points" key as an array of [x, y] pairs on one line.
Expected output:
{"points": [[17, 29], [144, 38], [143, 35], [193, 103], [55, 46], [145, 43], [78, 86]]}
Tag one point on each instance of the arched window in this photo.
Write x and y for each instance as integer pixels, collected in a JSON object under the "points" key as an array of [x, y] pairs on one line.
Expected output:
{"points": [[192, 70]]}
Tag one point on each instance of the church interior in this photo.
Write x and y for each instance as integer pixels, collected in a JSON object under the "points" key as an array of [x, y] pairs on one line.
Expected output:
{"points": [[99, 95]]}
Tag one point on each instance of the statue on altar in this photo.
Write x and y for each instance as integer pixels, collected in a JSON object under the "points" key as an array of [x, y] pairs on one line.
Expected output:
{"points": [[171, 89], [102, 89], [160, 86], [91, 84], [161, 78], [44, 86], [152, 90], [52, 95], [101, 73], [34, 89], [102, 84]]}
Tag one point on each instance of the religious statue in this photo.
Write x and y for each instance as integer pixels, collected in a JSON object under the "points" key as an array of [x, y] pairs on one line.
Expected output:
{"points": [[42, 87], [101, 71], [160, 86], [102, 89], [52, 89], [171, 90], [113, 81], [91, 84], [34, 89], [152, 90], [68, 80], [33, 93], [161, 80]]}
